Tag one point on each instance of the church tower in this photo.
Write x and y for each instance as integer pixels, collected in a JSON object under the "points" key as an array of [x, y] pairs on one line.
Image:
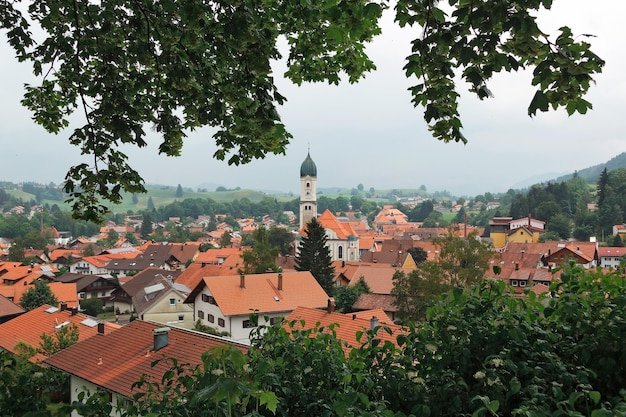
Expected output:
{"points": [[308, 197]]}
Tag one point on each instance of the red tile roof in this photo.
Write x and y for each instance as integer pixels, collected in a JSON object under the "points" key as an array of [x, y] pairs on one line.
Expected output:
{"points": [[117, 360], [299, 288], [347, 325], [342, 229], [29, 327]]}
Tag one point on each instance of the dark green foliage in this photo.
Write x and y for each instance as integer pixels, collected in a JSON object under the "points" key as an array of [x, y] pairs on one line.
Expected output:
{"points": [[209, 64], [63, 338], [179, 191], [346, 296], [314, 255], [38, 295], [262, 257], [281, 238], [418, 254], [146, 226], [92, 306]]}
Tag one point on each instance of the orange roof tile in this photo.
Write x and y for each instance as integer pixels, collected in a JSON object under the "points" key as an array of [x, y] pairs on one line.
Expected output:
{"points": [[29, 327], [299, 288], [346, 325], [117, 360], [329, 221]]}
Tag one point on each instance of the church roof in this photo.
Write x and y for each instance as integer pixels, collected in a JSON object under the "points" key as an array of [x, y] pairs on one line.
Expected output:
{"points": [[308, 167]]}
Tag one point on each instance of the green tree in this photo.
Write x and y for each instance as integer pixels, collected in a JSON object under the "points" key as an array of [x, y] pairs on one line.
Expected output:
{"points": [[281, 238], [92, 306], [418, 254], [16, 253], [179, 191], [38, 295], [561, 225], [150, 205], [461, 261], [262, 257], [415, 291], [135, 199], [146, 226], [210, 64], [314, 255], [62, 338], [347, 295], [226, 240]]}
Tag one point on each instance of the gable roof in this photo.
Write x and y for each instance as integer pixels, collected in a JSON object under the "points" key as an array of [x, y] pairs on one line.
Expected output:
{"points": [[261, 292], [379, 278], [9, 309], [606, 251], [29, 327], [147, 277], [343, 229], [375, 301], [117, 360], [346, 325]]}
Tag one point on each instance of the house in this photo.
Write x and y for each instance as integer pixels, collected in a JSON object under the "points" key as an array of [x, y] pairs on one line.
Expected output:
{"points": [[384, 302], [346, 326], [115, 361], [9, 310], [28, 327], [162, 302], [226, 302], [610, 257], [91, 286], [504, 229], [122, 297], [584, 253], [91, 265], [378, 277], [389, 215]]}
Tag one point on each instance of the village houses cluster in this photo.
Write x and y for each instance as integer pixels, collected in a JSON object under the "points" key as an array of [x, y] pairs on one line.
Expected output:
{"points": [[160, 292]]}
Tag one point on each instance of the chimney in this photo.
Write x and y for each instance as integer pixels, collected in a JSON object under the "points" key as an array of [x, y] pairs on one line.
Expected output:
{"points": [[63, 306], [280, 281], [373, 322], [161, 338], [74, 311], [203, 264], [242, 281], [343, 263], [354, 317], [101, 327], [331, 305], [516, 266], [523, 252]]}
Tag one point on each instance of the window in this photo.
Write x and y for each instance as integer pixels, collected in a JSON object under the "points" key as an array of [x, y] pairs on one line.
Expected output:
{"points": [[181, 317], [172, 301], [200, 314], [514, 283], [221, 322], [522, 283], [210, 318], [340, 252], [248, 324], [209, 299], [276, 320]]}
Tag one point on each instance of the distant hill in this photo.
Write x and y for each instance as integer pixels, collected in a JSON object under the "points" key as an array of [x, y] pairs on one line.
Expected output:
{"points": [[592, 174]]}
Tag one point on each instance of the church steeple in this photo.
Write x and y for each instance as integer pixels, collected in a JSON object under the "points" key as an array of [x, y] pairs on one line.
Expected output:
{"points": [[308, 192]]}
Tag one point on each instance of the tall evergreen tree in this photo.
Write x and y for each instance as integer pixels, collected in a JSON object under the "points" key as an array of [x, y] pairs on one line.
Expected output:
{"points": [[146, 226], [179, 191], [314, 255], [150, 203]]}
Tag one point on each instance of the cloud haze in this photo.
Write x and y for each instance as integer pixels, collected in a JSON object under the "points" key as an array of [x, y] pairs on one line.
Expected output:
{"points": [[370, 133]]}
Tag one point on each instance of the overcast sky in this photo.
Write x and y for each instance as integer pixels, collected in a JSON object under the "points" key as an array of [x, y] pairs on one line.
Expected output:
{"points": [[370, 133]]}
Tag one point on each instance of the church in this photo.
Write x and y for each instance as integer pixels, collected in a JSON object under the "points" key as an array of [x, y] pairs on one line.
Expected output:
{"points": [[342, 240]]}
